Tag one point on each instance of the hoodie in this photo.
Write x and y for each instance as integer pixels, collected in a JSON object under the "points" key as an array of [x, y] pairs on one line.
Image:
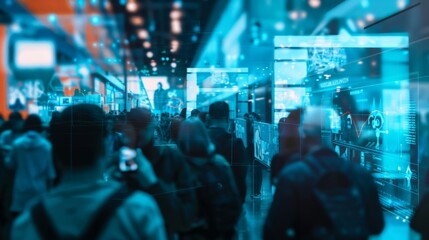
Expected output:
{"points": [[31, 159]]}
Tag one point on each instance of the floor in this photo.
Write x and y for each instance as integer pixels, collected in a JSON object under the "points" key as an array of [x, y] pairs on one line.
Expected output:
{"points": [[255, 211]]}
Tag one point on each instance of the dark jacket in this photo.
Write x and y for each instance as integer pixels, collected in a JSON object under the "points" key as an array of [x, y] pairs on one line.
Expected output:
{"points": [[233, 150], [295, 208], [278, 162], [175, 190], [419, 221]]}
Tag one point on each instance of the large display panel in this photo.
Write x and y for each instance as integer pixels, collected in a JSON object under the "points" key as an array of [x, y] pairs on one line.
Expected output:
{"points": [[208, 85], [362, 83]]}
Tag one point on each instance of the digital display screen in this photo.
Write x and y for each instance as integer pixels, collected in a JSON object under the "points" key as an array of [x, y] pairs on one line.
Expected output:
{"points": [[34, 54], [206, 86]]}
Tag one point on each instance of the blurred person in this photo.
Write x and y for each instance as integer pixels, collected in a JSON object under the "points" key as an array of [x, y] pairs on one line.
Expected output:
{"points": [[323, 196], [1, 121], [12, 130], [257, 166], [174, 190], [31, 160], [218, 197], [160, 97], [203, 117], [174, 129], [289, 144], [227, 145], [420, 219], [183, 113], [82, 206]]}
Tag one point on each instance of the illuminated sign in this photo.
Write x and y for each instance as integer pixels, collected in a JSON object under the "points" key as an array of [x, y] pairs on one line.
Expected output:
{"points": [[34, 54]]}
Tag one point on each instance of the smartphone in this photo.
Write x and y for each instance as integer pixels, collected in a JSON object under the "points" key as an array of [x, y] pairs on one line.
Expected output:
{"points": [[127, 160]]}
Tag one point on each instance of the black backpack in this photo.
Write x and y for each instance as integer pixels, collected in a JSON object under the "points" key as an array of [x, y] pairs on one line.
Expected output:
{"points": [[46, 229], [219, 202], [341, 201]]}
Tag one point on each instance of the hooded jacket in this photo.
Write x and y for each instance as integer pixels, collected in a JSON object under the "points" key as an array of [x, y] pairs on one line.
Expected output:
{"points": [[31, 159]]}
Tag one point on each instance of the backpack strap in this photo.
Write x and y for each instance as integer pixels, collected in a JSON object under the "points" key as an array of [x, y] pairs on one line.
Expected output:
{"points": [[46, 229], [43, 222], [104, 213]]}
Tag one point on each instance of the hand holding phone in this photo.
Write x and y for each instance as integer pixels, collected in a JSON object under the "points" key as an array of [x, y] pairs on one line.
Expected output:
{"points": [[139, 167], [127, 160]]}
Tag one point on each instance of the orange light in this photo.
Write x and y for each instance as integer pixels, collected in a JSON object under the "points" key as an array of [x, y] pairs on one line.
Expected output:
{"points": [[143, 34], [137, 21], [146, 44], [132, 6]]}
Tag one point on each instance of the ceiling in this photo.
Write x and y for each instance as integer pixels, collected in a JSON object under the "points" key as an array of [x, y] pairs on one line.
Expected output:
{"points": [[158, 47]]}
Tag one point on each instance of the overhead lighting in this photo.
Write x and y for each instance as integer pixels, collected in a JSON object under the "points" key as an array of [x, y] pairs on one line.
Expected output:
{"points": [[149, 54], [174, 45], [146, 44], [176, 26], [132, 6], [173, 65], [137, 21], [361, 23], [175, 14], [153, 63], [280, 26], [314, 3], [370, 17], [293, 15], [143, 34], [400, 3], [154, 69]]}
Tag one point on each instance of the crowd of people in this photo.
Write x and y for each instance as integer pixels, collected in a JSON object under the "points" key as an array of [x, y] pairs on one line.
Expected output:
{"points": [[91, 175]]}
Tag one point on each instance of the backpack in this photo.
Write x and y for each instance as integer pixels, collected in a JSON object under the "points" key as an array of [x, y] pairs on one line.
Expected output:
{"points": [[219, 201], [341, 201], [46, 229]]}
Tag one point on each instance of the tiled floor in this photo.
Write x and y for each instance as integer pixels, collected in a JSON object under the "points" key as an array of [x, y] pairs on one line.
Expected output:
{"points": [[255, 210]]}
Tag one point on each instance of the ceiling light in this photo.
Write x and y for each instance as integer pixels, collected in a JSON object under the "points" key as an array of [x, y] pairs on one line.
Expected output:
{"points": [[149, 54], [137, 21], [146, 44], [153, 63], [143, 34], [155, 69], [173, 65], [370, 17], [361, 23], [176, 27], [132, 6], [279, 26], [293, 15], [175, 14], [314, 3], [174, 45], [400, 3]]}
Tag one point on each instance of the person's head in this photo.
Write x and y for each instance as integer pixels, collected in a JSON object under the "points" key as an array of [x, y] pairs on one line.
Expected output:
{"points": [[194, 140], [159, 85], [183, 113], [15, 121], [175, 128], [78, 137], [195, 113], [288, 128], [219, 113], [32, 123], [141, 120], [311, 128]]}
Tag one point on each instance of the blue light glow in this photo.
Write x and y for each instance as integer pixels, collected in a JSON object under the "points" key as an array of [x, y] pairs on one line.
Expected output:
{"points": [[95, 20], [52, 18]]}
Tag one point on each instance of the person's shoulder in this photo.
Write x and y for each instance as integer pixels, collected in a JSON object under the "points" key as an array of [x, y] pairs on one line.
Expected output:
{"points": [[297, 171], [219, 160], [23, 227], [140, 203]]}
